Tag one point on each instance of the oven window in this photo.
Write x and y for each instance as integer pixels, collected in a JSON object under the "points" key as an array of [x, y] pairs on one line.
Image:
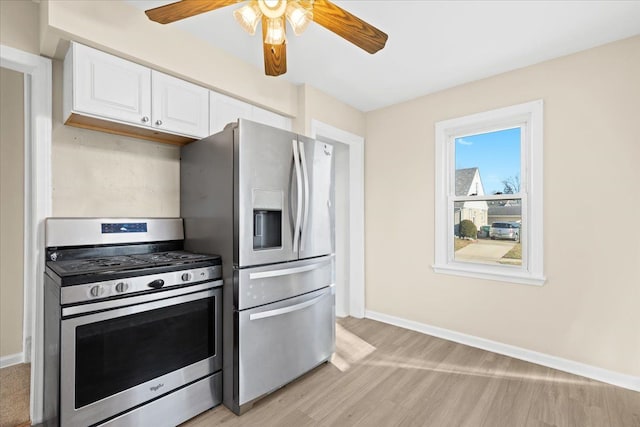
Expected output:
{"points": [[120, 353]]}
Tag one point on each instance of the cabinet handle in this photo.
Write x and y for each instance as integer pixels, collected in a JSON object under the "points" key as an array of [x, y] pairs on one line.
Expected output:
{"points": [[158, 122], [145, 119]]}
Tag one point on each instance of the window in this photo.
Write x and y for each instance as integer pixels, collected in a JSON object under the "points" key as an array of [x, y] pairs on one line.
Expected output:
{"points": [[489, 195]]}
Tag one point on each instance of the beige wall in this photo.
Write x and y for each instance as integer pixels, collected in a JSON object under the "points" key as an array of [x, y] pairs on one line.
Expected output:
{"points": [[19, 25], [99, 174], [11, 210], [315, 104], [588, 309]]}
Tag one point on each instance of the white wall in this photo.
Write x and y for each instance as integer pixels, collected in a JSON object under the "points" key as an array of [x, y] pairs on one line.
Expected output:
{"points": [[588, 309]]}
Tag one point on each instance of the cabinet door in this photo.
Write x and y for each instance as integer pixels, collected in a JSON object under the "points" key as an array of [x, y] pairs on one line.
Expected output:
{"points": [[179, 106], [266, 117], [224, 110], [107, 86]]}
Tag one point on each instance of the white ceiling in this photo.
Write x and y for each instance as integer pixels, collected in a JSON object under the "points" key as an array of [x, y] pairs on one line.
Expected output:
{"points": [[432, 45]]}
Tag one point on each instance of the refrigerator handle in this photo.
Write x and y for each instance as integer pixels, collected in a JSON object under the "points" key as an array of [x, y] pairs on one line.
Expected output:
{"points": [[285, 310], [305, 175], [296, 228], [288, 271]]}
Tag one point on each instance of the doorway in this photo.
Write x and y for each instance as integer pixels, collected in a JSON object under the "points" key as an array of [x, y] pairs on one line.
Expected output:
{"points": [[36, 72], [349, 208]]}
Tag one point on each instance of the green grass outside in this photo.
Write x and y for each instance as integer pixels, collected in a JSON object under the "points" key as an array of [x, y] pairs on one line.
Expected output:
{"points": [[460, 243], [515, 252]]}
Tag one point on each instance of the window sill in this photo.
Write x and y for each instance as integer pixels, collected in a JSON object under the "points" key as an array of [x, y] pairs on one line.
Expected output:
{"points": [[490, 273]]}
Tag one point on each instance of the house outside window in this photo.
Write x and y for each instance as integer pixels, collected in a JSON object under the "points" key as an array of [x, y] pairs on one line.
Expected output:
{"points": [[489, 195]]}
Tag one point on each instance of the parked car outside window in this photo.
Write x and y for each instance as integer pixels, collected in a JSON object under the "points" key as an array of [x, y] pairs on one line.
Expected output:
{"points": [[505, 230]]}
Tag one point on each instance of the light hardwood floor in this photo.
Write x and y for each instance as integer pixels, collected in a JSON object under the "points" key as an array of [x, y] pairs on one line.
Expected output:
{"points": [[383, 375]]}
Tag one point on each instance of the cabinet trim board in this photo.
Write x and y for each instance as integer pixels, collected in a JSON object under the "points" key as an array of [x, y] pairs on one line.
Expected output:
{"points": [[116, 128]]}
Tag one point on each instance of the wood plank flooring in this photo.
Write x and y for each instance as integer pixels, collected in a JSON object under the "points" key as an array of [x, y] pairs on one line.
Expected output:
{"points": [[383, 375]]}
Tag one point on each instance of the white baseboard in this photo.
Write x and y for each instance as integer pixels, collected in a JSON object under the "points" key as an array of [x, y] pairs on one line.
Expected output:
{"points": [[11, 359], [615, 378]]}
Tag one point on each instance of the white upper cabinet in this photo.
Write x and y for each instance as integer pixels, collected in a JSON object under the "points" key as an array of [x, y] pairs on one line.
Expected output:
{"points": [[270, 118], [110, 94], [107, 93], [179, 106], [107, 86], [225, 109]]}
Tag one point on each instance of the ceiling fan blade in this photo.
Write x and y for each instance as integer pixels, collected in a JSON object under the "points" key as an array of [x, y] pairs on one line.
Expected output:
{"points": [[183, 9], [348, 26], [275, 55]]}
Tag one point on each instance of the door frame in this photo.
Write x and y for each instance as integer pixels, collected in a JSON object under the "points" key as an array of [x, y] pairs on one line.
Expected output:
{"points": [[37, 205], [355, 144]]}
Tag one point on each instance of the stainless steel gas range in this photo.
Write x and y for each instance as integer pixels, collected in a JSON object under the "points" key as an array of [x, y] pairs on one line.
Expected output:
{"points": [[132, 324]]}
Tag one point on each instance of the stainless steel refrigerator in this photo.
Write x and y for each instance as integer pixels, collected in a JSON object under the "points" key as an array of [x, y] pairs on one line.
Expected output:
{"points": [[263, 199]]}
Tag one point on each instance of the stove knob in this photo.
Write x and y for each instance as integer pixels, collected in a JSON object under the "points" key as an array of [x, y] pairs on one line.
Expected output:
{"points": [[156, 284], [122, 287], [186, 277], [96, 291]]}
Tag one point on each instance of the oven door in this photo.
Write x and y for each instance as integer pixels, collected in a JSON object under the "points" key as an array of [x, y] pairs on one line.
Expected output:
{"points": [[116, 359]]}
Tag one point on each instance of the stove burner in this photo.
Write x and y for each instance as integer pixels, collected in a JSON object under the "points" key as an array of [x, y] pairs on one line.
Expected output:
{"points": [[164, 257], [106, 264], [96, 263]]}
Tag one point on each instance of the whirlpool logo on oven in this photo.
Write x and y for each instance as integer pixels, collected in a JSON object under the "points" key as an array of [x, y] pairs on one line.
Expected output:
{"points": [[156, 387]]}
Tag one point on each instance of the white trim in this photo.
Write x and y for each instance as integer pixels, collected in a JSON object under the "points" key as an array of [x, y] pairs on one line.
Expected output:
{"points": [[501, 273], [599, 374], [355, 144], [37, 71], [27, 314], [11, 359], [529, 116]]}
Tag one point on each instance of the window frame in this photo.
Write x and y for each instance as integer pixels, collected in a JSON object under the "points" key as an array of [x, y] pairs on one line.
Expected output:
{"points": [[529, 117]]}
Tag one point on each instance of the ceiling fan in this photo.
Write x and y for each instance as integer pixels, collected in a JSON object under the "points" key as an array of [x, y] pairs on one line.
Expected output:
{"points": [[272, 14]]}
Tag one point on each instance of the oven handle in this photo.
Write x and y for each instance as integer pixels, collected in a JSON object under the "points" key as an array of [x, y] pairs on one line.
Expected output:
{"points": [[127, 310], [140, 299]]}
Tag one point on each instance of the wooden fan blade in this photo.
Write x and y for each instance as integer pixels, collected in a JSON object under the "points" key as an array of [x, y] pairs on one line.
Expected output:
{"points": [[348, 26], [275, 55], [183, 9]]}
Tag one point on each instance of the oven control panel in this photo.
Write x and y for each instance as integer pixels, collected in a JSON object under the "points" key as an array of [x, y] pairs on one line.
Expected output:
{"points": [[124, 227], [132, 285]]}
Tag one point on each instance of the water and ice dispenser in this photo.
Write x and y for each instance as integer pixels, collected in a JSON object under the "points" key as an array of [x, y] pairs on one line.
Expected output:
{"points": [[267, 229]]}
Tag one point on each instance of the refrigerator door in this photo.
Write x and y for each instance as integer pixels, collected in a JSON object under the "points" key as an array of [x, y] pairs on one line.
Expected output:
{"points": [[266, 284], [318, 218], [265, 201], [278, 342]]}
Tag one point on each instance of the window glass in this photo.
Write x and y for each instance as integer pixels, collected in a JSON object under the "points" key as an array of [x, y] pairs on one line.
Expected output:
{"points": [[497, 241], [488, 163]]}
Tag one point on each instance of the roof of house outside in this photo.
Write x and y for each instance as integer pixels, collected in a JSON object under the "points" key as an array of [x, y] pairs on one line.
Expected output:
{"points": [[464, 178], [497, 210]]}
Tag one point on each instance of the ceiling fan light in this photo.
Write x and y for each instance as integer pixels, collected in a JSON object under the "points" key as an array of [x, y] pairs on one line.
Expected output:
{"points": [[275, 31], [298, 17], [272, 8], [248, 16]]}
